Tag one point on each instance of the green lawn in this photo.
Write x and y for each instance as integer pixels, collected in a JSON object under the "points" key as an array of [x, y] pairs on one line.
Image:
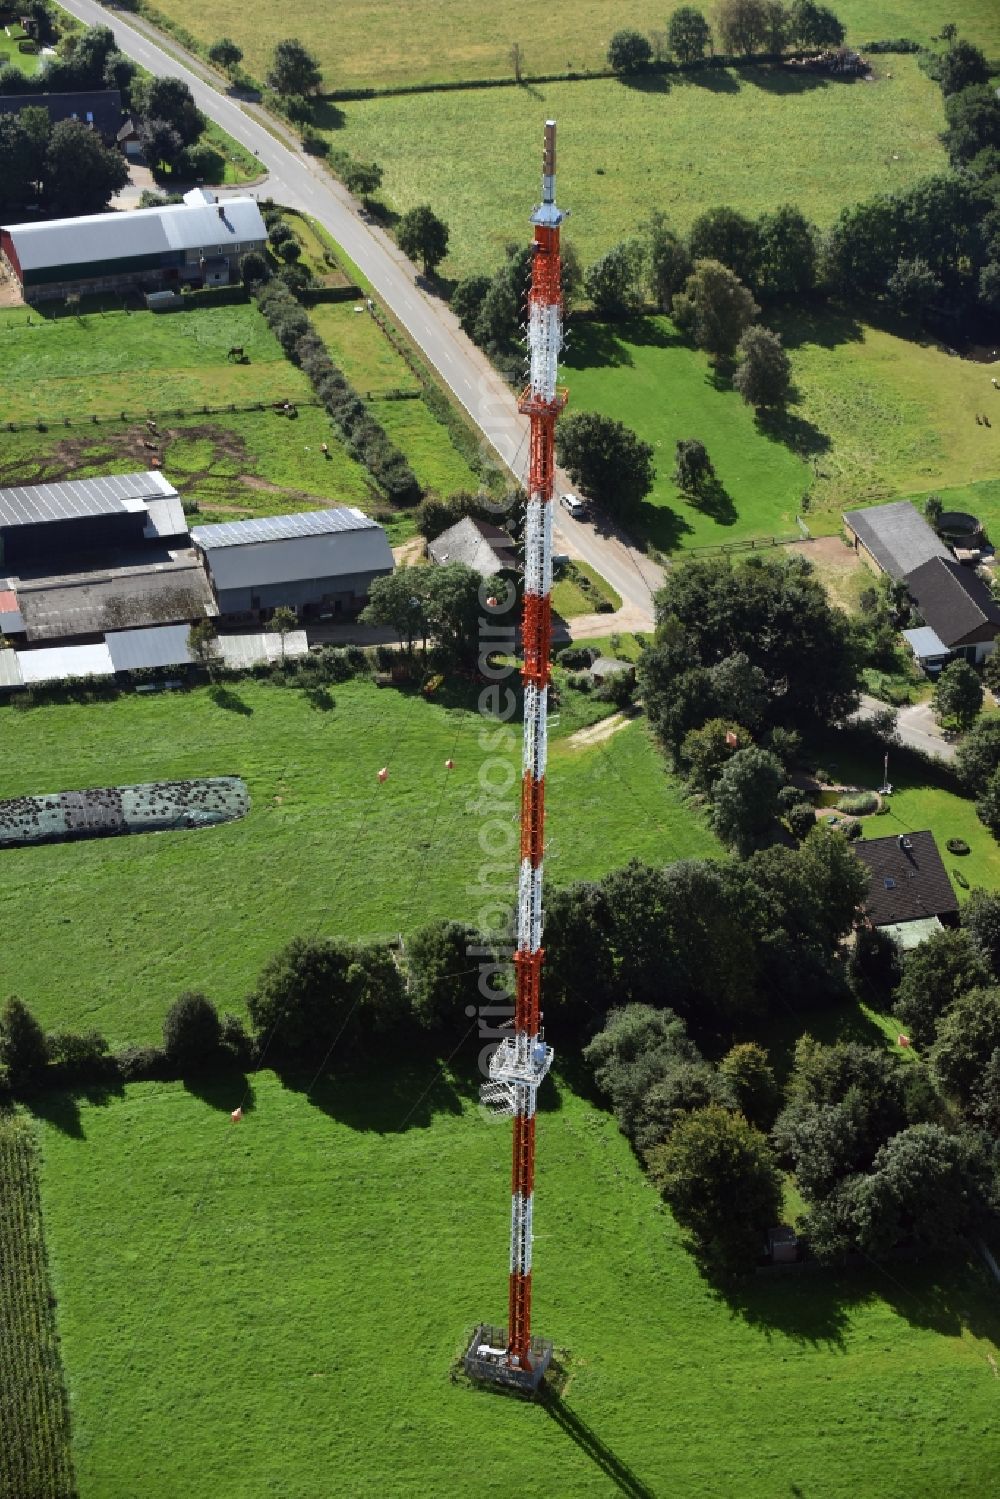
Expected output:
{"points": [[385, 1204], [27, 62], [108, 933], [578, 589], [358, 345], [644, 375], [753, 140], [54, 366], [385, 42], [885, 416]]}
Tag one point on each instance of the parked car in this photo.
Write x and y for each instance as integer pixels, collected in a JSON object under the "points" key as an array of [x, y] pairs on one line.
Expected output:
{"points": [[573, 503]]}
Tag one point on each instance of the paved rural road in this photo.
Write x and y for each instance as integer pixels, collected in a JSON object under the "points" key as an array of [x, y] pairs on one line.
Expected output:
{"points": [[917, 727], [301, 182]]}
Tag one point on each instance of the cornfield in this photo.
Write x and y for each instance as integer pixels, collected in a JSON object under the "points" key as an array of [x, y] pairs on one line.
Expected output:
{"points": [[34, 1425]]}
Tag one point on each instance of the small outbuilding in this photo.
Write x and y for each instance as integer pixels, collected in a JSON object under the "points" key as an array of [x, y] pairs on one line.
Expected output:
{"points": [[479, 544], [957, 606], [893, 539], [321, 563]]}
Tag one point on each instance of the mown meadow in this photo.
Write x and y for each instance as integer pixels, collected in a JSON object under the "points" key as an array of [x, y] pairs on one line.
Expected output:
{"points": [[398, 42], [276, 1306], [107, 933], [754, 139]]}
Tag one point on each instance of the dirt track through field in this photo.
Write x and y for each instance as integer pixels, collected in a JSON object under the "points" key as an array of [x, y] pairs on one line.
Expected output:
{"points": [[596, 733]]}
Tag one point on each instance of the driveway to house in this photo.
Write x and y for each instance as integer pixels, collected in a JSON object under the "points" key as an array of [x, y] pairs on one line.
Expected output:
{"points": [[918, 728], [301, 182]]}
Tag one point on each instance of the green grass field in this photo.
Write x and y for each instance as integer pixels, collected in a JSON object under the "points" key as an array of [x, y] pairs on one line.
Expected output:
{"points": [[382, 42], [753, 140], [34, 1454], [26, 62], [644, 375], [54, 366], [385, 1211], [108, 933], [887, 416]]}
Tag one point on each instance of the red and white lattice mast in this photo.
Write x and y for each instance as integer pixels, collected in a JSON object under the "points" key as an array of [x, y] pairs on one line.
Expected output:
{"points": [[522, 1059]]}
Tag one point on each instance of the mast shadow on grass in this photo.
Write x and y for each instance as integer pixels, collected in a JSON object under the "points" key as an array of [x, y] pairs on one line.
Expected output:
{"points": [[615, 1469]]}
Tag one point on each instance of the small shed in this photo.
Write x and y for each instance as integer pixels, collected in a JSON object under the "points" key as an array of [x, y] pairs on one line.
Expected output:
{"points": [[782, 1244], [929, 650]]}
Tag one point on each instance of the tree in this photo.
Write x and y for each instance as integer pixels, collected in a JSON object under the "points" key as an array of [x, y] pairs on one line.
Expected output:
{"points": [[606, 459], [282, 622], [444, 963], [801, 819], [786, 254], [516, 58], [927, 1187], [749, 1077], [962, 66], [689, 35], [397, 600], [254, 269], [973, 118], [452, 608], [422, 236], [763, 369], [363, 178], [24, 1050], [614, 283], [913, 285], [989, 285], [935, 974], [24, 139], [161, 144], [814, 25], [978, 756], [579, 958], [776, 22], [988, 804], [294, 69], [714, 309], [628, 51], [720, 1178], [81, 174], [467, 301], [742, 25], [693, 469], [746, 797], [968, 1033], [225, 54], [636, 1048], [666, 258], [317, 993], [201, 641], [727, 236], [118, 73], [705, 752], [191, 1032], [170, 99], [981, 919], [958, 696], [777, 614]]}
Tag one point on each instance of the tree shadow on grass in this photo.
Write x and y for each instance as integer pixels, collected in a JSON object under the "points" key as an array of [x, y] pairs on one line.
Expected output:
{"points": [[223, 1090], [596, 346], [327, 116], [659, 525], [646, 83], [401, 1098], [618, 1473], [782, 79], [827, 327], [796, 432], [225, 697], [61, 1107], [716, 80], [319, 698], [715, 501]]}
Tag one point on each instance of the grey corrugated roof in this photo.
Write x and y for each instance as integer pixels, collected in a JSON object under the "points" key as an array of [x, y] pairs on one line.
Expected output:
{"points": [[897, 536], [476, 543], [60, 662], [11, 622], [957, 605], [91, 603], [143, 231], [238, 651], [29, 504], [240, 533], [10, 669], [924, 642], [165, 646], [327, 544]]}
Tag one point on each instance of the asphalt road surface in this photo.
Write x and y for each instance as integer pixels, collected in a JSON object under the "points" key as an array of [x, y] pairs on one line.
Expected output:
{"points": [[301, 182]]}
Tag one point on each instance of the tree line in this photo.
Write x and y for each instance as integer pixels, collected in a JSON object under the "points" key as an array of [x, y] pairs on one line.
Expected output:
{"points": [[745, 28]]}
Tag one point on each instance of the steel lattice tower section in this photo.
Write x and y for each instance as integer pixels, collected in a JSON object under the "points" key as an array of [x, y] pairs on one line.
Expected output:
{"points": [[521, 1061]]}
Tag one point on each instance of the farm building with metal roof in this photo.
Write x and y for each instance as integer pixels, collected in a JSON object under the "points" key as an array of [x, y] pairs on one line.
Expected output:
{"points": [[197, 243], [894, 538], [318, 563], [42, 523]]}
